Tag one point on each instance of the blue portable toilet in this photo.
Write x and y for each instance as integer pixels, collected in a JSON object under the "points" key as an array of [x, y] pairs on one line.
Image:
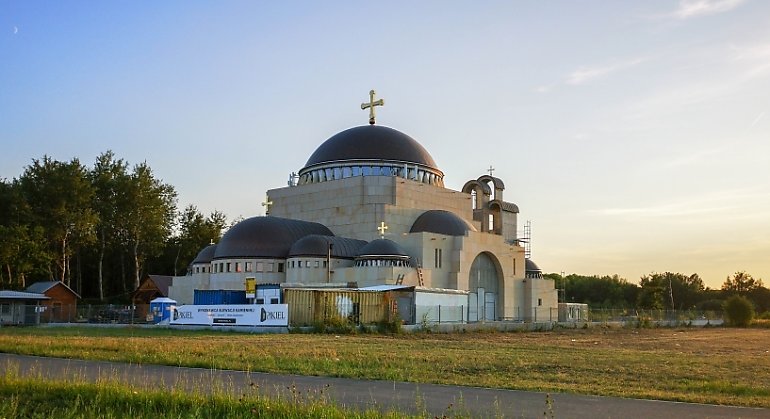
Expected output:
{"points": [[161, 309]]}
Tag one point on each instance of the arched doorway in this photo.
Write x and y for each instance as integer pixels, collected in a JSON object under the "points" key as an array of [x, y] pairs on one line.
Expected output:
{"points": [[484, 287]]}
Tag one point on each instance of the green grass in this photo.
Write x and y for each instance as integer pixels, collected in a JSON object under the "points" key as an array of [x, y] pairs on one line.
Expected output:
{"points": [[713, 365], [38, 398]]}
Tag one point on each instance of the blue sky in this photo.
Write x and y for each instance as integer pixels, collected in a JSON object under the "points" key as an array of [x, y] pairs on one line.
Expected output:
{"points": [[634, 135]]}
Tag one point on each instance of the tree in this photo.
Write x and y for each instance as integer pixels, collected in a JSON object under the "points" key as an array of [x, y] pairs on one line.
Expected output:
{"points": [[148, 221], [107, 177], [195, 233], [599, 292], [741, 283], [669, 290], [739, 311], [23, 254], [59, 197], [745, 285]]}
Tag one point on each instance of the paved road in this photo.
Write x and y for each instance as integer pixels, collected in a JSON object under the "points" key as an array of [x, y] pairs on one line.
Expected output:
{"points": [[405, 397]]}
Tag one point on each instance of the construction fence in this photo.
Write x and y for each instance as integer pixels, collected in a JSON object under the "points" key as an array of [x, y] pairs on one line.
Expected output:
{"points": [[362, 309]]}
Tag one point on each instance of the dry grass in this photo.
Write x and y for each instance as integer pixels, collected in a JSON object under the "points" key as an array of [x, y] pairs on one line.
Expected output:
{"points": [[713, 365]]}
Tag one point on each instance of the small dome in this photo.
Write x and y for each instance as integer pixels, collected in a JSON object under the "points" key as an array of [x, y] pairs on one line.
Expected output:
{"points": [[317, 245], [382, 248], [371, 142], [531, 269], [441, 222], [205, 255], [268, 237]]}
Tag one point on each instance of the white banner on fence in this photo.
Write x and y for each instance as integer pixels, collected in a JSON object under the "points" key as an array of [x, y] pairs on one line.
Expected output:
{"points": [[232, 315]]}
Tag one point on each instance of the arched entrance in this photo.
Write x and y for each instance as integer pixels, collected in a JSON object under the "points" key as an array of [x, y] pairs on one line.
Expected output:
{"points": [[484, 286]]}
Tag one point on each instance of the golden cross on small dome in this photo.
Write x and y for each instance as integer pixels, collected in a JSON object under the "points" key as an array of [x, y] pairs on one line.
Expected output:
{"points": [[382, 229], [371, 104]]}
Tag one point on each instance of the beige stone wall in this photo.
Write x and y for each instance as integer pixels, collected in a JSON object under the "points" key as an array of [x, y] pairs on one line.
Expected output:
{"points": [[354, 207], [181, 288], [539, 300]]}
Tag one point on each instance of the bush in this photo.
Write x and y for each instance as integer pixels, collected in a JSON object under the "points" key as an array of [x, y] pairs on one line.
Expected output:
{"points": [[739, 311], [335, 324]]}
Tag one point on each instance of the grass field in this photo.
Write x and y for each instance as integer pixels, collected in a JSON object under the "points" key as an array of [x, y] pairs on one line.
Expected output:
{"points": [[22, 397], [712, 365]]}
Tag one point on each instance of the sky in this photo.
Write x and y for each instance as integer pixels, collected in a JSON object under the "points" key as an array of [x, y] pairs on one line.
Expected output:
{"points": [[634, 136]]}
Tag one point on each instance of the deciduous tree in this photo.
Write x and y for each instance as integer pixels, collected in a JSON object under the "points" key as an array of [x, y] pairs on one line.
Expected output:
{"points": [[59, 196], [148, 221]]}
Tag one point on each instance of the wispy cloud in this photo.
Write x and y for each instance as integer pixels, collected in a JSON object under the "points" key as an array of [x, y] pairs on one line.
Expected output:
{"points": [[755, 58], [696, 8], [757, 119], [697, 157], [586, 74], [720, 202], [665, 210]]}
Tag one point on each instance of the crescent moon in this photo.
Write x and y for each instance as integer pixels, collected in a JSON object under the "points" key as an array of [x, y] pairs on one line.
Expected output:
{"points": [[15, 30]]}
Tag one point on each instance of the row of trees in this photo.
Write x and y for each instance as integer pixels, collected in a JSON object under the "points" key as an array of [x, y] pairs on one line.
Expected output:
{"points": [[660, 291], [98, 229]]}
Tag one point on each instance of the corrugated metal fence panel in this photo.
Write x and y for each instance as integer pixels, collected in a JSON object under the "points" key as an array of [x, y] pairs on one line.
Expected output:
{"points": [[301, 306], [218, 297], [361, 307]]}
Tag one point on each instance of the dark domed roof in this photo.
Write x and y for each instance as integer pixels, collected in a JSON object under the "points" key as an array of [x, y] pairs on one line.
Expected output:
{"points": [[441, 222], [316, 245], [531, 270], [530, 265], [205, 255], [371, 142], [382, 247], [269, 237]]}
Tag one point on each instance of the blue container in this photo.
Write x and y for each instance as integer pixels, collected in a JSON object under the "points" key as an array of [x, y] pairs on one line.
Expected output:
{"points": [[161, 309], [218, 297]]}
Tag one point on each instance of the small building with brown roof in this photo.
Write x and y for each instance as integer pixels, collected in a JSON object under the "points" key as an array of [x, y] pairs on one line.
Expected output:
{"points": [[62, 303], [152, 287]]}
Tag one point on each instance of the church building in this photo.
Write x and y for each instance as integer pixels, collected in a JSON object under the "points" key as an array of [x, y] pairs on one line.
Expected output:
{"points": [[369, 208]]}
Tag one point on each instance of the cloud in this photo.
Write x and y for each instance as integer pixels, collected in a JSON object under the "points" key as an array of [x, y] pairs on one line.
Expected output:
{"points": [[757, 119], [586, 74], [697, 157], [755, 58], [718, 202], [665, 210], [695, 8]]}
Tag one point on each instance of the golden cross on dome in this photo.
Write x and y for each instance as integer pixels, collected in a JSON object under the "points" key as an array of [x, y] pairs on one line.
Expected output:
{"points": [[371, 104], [267, 204], [382, 229]]}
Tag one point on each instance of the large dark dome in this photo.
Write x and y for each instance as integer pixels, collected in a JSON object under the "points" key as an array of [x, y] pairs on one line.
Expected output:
{"points": [[265, 237], [371, 142], [441, 222]]}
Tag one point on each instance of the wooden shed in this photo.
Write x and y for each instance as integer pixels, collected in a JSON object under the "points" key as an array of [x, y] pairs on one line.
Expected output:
{"points": [[152, 287], [62, 304]]}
